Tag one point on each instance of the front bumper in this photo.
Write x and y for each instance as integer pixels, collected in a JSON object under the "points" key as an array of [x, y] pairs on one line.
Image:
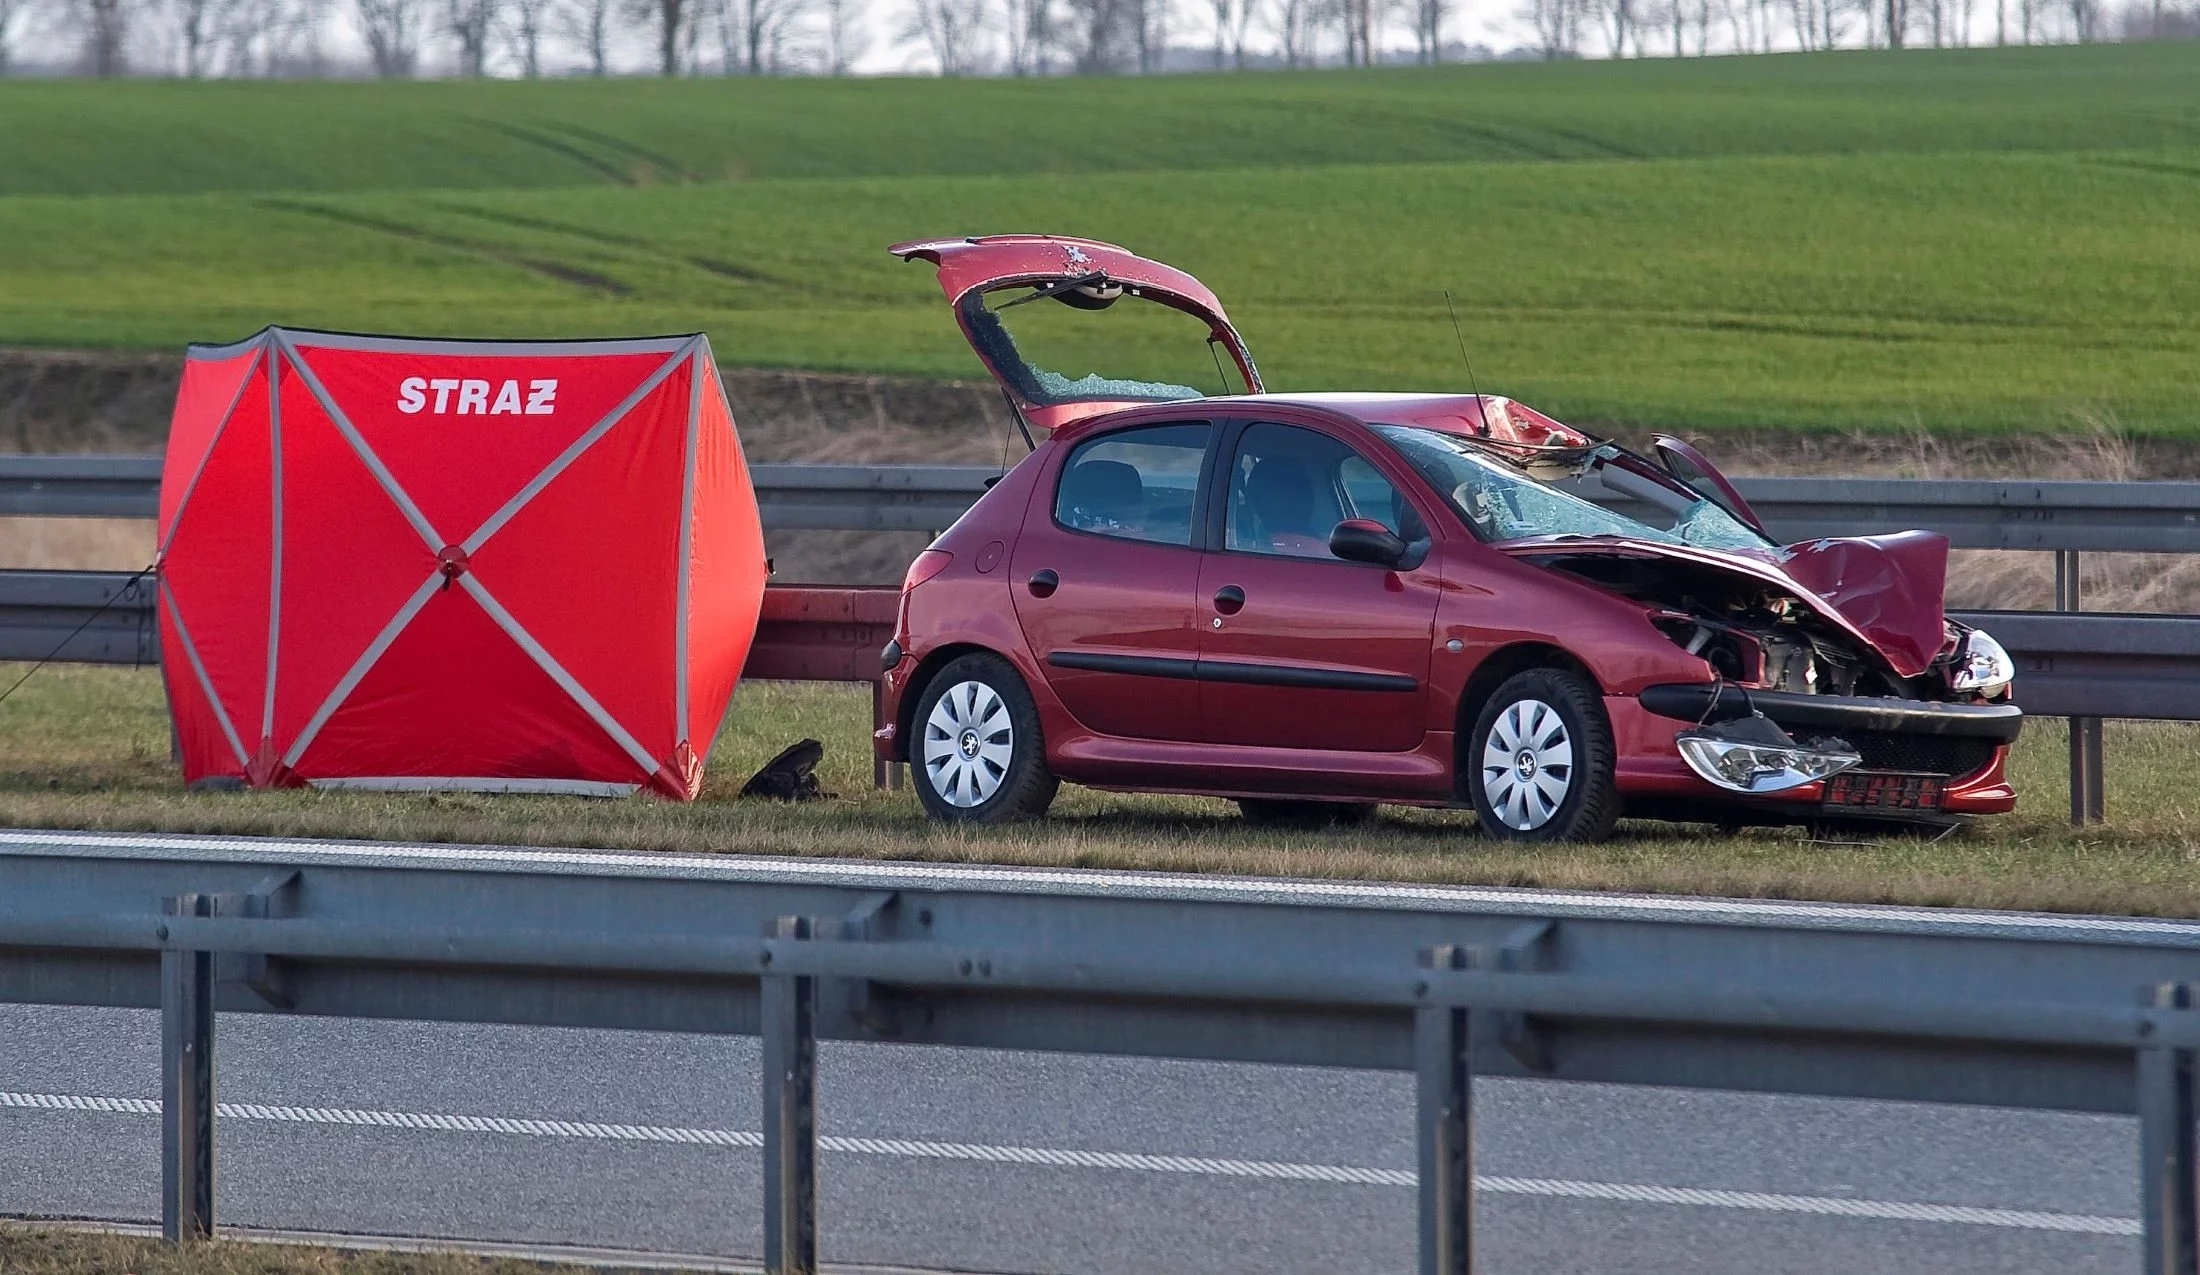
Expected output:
{"points": [[1795, 711], [1967, 742]]}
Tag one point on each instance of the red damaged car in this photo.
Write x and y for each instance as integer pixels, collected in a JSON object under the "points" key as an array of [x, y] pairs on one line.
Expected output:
{"points": [[1313, 603]]}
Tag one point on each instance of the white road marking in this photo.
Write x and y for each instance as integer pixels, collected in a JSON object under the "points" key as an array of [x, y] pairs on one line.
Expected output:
{"points": [[1137, 1162]]}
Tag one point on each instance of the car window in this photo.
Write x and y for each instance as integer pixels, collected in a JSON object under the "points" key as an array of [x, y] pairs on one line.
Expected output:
{"points": [[1137, 484], [1501, 501], [1290, 487]]}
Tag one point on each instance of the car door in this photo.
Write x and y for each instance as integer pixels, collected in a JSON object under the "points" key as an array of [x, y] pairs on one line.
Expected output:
{"points": [[1301, 649], [1104, 575]]}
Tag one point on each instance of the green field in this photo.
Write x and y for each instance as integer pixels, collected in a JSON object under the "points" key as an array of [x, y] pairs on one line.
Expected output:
{"points": [[88, 748], [1982, 241]]}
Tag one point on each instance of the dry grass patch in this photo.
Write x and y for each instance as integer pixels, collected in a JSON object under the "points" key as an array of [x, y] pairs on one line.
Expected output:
{"points": [[33, 1250], [88, 748]]}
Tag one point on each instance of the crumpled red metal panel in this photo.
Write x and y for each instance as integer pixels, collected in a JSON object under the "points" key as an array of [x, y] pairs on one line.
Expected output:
{"points": [[1890, 587]]}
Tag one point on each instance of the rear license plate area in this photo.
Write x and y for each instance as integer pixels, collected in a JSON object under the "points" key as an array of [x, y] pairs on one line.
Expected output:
{"points": [[1884, 790]]}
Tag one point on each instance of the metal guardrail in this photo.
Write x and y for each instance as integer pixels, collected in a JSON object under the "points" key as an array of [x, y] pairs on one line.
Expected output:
{"points": [[80, 486], [79, 617], [2070, 516], [2102, 663], [2027, 1011], [2115, 668]]}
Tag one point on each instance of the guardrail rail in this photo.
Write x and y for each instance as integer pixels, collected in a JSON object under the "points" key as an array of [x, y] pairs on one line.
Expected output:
{"points": [[2086, 670], [2028, 1011]]}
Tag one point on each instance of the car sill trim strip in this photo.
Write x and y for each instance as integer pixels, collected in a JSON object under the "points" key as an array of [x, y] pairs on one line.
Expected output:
{"points": [[1232, 672]]}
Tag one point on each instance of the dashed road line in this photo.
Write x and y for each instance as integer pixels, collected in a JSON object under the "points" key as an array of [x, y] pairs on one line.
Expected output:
{"points": [[1123, 1161]]}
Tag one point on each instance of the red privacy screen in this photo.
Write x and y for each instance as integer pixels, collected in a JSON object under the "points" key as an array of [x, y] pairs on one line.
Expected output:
{"points": [[495, 566]]}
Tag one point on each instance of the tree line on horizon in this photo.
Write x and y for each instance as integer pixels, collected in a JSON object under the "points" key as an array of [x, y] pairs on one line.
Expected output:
{"points": [[403, 39]]}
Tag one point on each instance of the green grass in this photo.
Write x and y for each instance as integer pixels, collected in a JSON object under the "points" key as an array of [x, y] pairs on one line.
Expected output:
{"points": [[83, 138], [1984, 241], [36, 1250], [88, 748], [1991, 292]]}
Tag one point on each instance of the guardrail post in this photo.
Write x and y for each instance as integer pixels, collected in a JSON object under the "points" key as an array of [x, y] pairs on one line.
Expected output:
{"points": [[2088, 770], [1444, 1120], [884, 774], [2169, 1187], [790, 1114], [187, 1082]]}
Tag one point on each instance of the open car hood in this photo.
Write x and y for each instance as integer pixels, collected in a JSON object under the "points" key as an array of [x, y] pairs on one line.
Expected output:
{"points": [[1885, 591], [971, 268]]}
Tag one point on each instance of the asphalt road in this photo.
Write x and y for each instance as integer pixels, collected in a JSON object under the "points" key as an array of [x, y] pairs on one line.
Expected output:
{"points": [[985, 1161]]}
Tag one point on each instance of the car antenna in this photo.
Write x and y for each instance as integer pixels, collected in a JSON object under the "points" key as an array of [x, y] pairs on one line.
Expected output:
{"points": [[1481, 408]]}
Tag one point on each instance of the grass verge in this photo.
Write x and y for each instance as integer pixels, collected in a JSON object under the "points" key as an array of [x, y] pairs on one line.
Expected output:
{"points": [[88, 748], [36, 1250]]}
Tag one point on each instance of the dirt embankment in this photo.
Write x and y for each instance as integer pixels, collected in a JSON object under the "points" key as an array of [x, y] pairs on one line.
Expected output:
{"points": [[68, 401]]}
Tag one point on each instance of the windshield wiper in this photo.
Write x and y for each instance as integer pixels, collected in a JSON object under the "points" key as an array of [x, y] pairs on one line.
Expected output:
{"points": [[1056, 289]]}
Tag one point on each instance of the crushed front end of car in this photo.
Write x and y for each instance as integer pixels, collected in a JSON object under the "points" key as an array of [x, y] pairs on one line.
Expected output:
{"points": [[1827, 682]]}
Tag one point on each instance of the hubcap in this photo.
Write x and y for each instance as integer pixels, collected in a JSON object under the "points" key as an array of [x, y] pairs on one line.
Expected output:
{"points": [[968, 744], [1527, 764]]}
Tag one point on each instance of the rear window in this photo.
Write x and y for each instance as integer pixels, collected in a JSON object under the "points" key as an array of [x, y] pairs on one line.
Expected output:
{"points": [[1135, 484], [1129, 348]]}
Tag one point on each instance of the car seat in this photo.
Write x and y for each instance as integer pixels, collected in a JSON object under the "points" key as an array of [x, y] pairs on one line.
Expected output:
{"points": [[1279, 497], [1101, 495]]}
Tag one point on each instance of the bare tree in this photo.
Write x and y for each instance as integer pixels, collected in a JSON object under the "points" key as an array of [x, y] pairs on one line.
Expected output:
{"points": [[2085, 19], [1622, 20], [1428, 29], [1356, 23], [1949, 21], [1095, 34], [1248, 11], [392, 31], [472, 23], [952, 30], [1557, 26], [1150, 32], [587, 23], [1820, 24], [197, 26], [1024, 24], [524, 29], [763, 27], [846, 34], [1296, 24], [244, 38], [674, 20], [104, 27]]}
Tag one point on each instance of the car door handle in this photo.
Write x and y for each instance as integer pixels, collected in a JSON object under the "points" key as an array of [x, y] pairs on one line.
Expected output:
{"points": [[1229, 599], [1043, 583]]}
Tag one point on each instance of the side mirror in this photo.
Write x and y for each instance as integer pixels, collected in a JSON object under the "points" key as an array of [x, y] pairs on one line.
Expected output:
{"points": [[1366, 540]]}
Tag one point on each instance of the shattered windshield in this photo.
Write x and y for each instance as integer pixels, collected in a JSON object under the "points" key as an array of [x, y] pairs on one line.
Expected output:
{"points": [[1100, 342], [1501, 502]]}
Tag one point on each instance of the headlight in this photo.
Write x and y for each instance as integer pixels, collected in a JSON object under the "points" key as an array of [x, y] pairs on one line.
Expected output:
{"points": [[1752, 755], [1981, 666]]}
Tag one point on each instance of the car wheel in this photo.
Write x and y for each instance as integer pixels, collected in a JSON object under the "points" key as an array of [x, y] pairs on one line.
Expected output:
{"points": [[1271, 812], [980, 755], [1540, 760]]}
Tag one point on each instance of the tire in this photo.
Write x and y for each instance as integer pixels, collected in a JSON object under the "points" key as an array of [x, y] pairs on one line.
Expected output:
{"points": [[1272, 812], [1539, 760], [979, 753]]}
